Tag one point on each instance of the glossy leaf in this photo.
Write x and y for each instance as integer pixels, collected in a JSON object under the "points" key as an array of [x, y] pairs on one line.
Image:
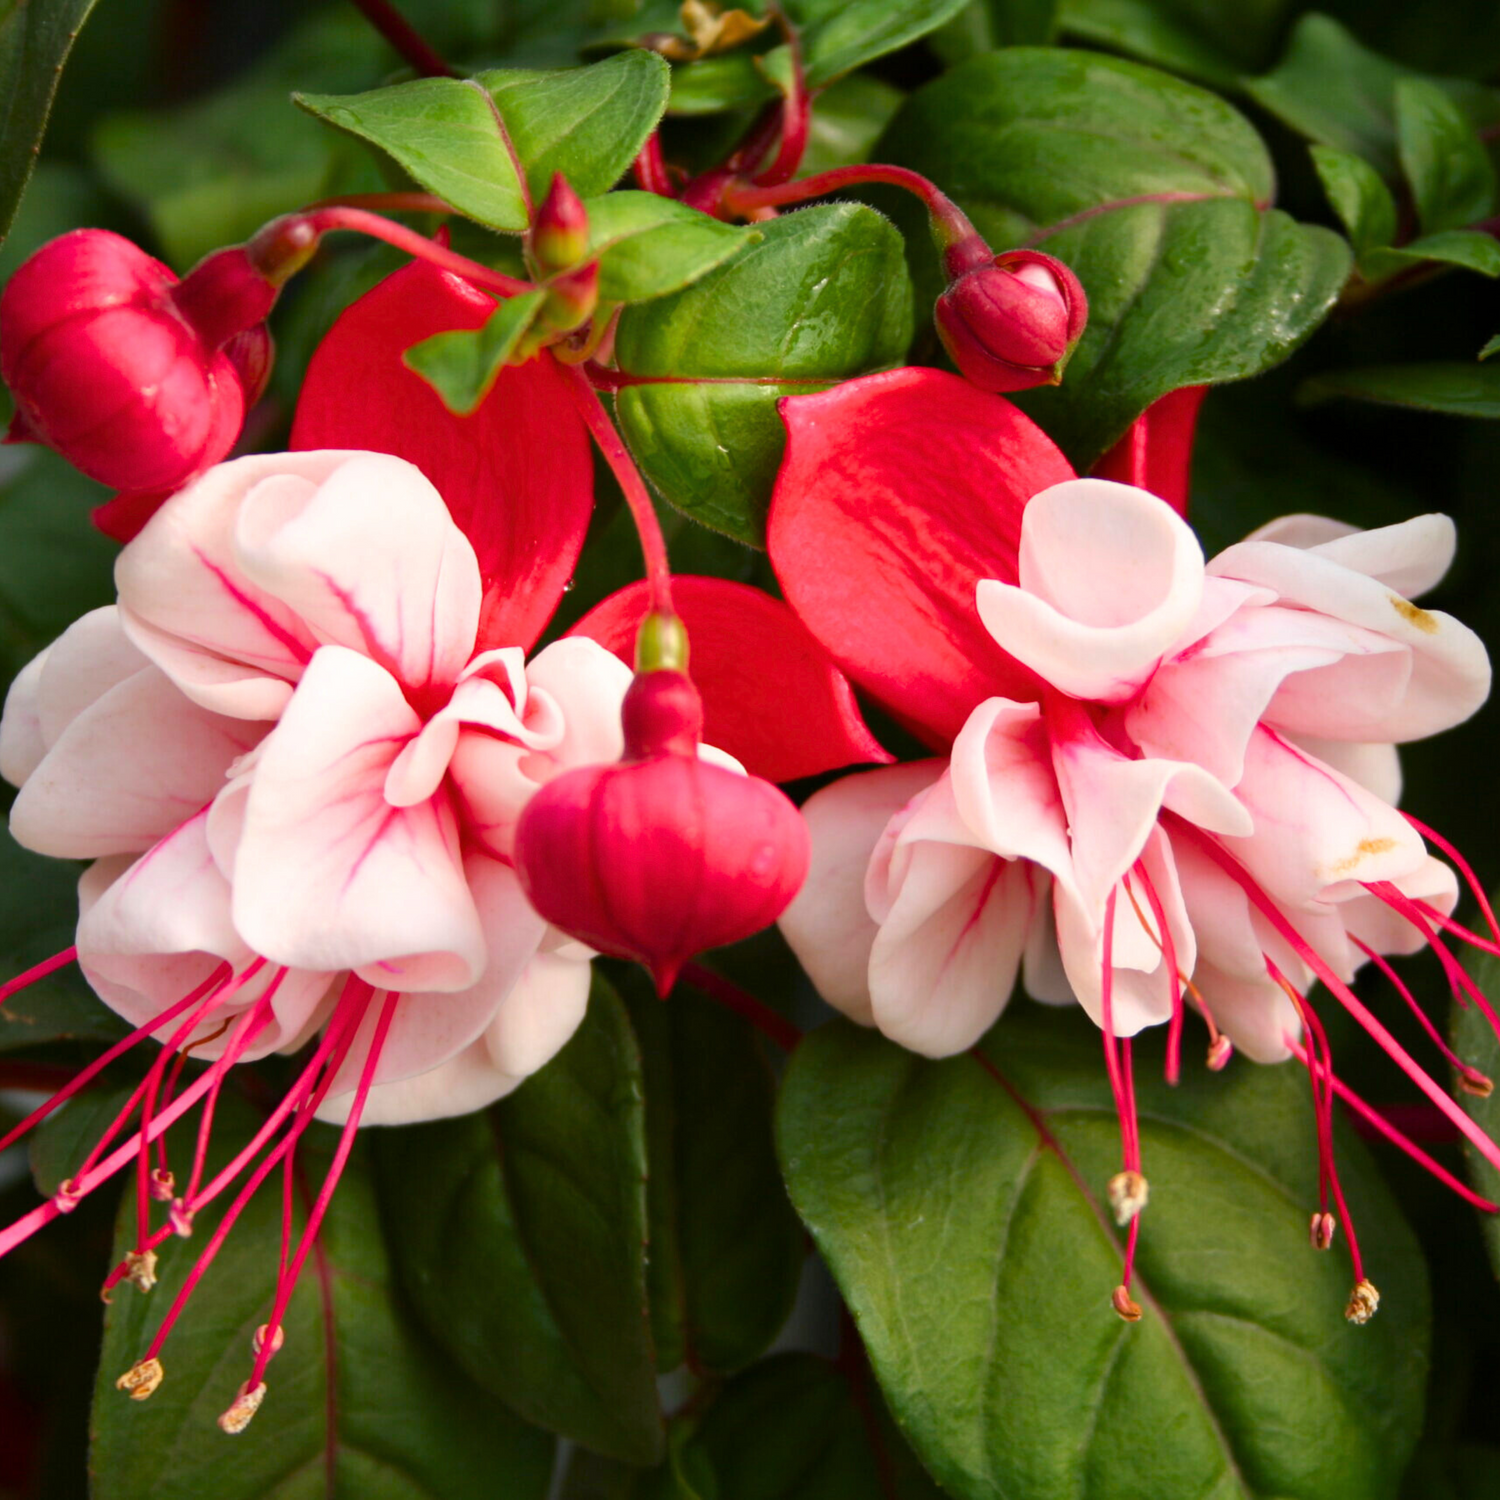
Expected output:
{"points": [[1332, 90], [961, 1207], [1212, 43], [1468, 248], [648, 246], [463, 365], [726, 1248], [490, 145], [1447, 166], [1156, 193], [523, 1240], [358, 1401], [1460, 389], [1359, 196], [35, 39], [822, 297]]}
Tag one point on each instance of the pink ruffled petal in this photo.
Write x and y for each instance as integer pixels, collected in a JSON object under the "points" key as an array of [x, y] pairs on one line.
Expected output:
{"points": [[185, 601], [1109, 579], [91, 656], [328, 875], [828, 924], [747, 692], [132, 766], [22, 745], [1409, 557], [517, 474], [898, 493], [1252, 1011], [539, 1014], [368, 559]]}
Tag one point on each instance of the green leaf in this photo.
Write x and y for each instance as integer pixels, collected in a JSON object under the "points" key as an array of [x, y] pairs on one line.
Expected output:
{"points": [[358, 1402], [63, 1140], [984, 25], [1458, 388], [823, 296], [463, 365], [1214, 43], [1490, 348], [211, 172], [523, 1240], [648, 246], [1155, 192], [1469, 248], [726, 1248], [1451, 176], [847, 121], [35, 39], [960, 1206], [1332, 90], [1466, 1471], [1476, 1044], [1359, 197], [490, 145]]}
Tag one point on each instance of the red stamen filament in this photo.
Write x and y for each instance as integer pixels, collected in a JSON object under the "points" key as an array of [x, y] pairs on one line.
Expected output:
{"points": [[37, 972], [1162, 937], [1464, 869]]}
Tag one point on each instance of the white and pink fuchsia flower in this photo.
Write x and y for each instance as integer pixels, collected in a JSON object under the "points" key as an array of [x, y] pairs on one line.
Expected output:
{"points": [[1159, 779], [295, 753]]}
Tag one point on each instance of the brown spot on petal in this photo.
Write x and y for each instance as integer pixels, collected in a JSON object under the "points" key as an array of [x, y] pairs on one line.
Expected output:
{"points": [[1362, 852], [1415, 616]]}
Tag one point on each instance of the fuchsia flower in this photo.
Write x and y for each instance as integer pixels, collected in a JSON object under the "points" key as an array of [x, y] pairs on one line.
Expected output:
{"points": [[297, 750], [1157, 776]]}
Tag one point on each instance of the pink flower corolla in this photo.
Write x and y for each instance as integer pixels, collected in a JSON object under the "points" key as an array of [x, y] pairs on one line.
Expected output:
{"points": [[1164, 782]]}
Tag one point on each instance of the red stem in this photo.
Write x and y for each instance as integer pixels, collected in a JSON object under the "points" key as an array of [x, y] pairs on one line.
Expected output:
{"points": [[404, 37], [322, 220], [770, 1023], [796, 118], [653, 544]]}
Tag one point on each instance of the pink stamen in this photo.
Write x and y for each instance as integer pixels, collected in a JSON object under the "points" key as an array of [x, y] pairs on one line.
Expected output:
{"points": [[1174, 974], [92, 1071], [1341, 991], [330, 1182], [1464, 869], [1396, 1137], [83, 1183], [37, 972], [1383, 964], [1458, 980], [1457, 928]]}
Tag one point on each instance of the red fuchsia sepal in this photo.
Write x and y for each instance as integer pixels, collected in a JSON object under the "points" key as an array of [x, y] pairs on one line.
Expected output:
{"points": [[772, 697], [1009, 321], [663, 854], [1156, 452], [516, 474], [898, 490], [120, 366]]}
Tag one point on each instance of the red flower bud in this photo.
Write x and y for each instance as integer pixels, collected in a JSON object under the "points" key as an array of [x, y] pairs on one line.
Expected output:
{"points": [[560, 237], [119, 366], [1013, 322], [660, 855]]}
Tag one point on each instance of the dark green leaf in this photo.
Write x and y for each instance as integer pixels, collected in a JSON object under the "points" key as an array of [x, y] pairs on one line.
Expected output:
{"points": [[1359, 196], [1491, 347], [523, 1236], [35, 39], [822, 297], [726, 1248], [358, 1402], [1448, 168], [961, 1208], [1476, 1044], [463, 365], [847, 121], [210, 172], [490, 145], [648, 246], [1155, 192], [63, 1140], [1332, 90], [1460, 389], [1466, 1471], [984, 25], [730, 80], [1469, 248], [1214, 43]]}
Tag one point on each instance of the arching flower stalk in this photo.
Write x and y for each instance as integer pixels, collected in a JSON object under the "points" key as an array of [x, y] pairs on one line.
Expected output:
{"points": [[1162, 787]]}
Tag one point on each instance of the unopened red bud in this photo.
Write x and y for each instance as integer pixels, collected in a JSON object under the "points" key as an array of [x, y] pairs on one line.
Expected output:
{"points": [[571, 298], [119, 366], [252, 353], [1013, 323], [662, 854], [560, 236]]}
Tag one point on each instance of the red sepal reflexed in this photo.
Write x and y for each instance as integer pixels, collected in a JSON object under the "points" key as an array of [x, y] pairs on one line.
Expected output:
{"points": [[898, 493], [517, 474], [771, 696], [1156, 452]]}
